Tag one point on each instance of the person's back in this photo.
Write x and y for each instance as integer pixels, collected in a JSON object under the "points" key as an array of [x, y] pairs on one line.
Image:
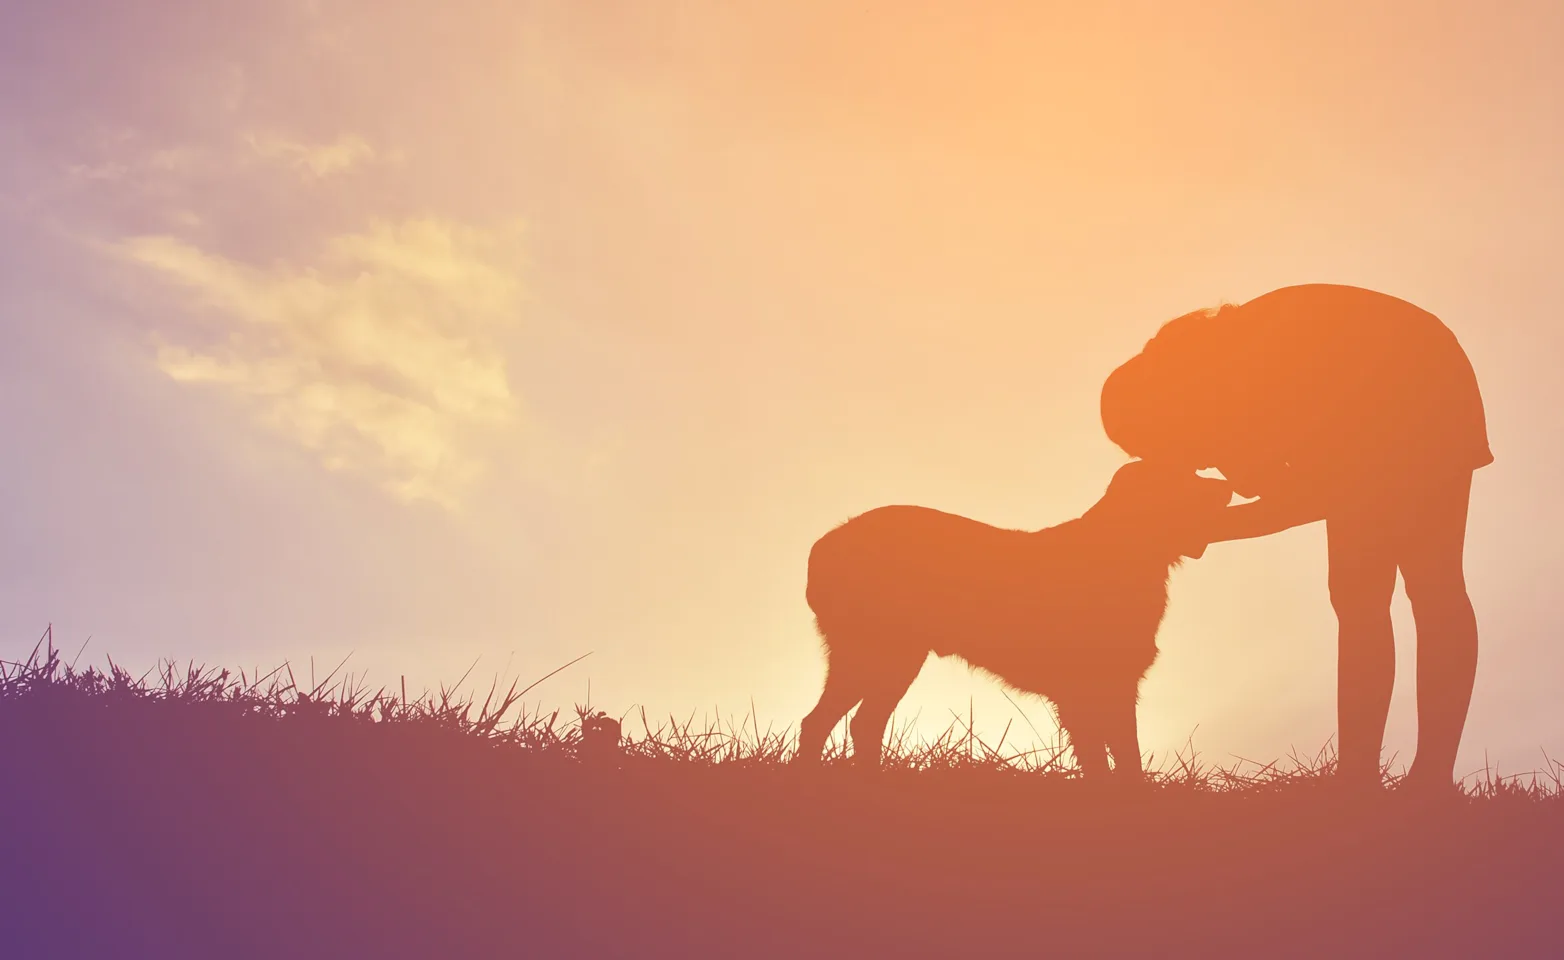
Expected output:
{"points": [[1334, 381]]}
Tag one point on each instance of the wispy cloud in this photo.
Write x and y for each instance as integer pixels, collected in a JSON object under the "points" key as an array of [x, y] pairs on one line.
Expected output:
{"points": [[383, 357], [313, 160], [109, 171]]}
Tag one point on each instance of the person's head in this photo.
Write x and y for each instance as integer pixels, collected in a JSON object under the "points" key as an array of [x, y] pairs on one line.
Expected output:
{"points": [[1157, 405]]}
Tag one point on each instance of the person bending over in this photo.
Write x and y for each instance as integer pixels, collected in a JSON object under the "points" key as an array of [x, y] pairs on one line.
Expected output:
{"points": [[1336, 403]]}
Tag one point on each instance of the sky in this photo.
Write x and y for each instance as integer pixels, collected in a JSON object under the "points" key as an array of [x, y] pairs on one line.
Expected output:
{"points": [[505, 333]]}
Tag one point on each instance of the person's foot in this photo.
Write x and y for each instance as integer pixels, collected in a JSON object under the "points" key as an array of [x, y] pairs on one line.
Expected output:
{"points": [[1428, 789], [1348, 792], [1358, 782]]}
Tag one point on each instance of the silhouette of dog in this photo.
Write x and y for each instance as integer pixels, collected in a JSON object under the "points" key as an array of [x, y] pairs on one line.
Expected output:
{"points": [[1070, 612]]}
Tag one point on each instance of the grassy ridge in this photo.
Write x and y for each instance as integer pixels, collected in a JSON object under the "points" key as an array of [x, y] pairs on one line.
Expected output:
{"points": [[212, 814]]}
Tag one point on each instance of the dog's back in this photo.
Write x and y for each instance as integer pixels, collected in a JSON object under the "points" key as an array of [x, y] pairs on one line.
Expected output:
{"points": [[899, 582], [894, 559]]}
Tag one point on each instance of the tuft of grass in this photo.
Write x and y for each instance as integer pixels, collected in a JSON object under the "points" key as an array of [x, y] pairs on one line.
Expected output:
{"points": [[504, 722]]}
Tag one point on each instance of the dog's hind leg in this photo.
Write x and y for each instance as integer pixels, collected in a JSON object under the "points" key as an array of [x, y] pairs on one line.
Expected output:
{"points": [[883, 692], [845, 683]]}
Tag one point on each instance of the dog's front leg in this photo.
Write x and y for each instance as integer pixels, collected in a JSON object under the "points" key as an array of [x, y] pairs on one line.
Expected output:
{"points": [[1123, 739]]}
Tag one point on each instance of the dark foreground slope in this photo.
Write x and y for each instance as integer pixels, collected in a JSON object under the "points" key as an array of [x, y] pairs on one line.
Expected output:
{"points": [[197, 824]]}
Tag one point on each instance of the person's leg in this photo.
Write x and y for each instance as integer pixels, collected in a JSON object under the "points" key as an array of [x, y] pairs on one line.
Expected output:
{"points": [[1362, 579], [1433, 569]]}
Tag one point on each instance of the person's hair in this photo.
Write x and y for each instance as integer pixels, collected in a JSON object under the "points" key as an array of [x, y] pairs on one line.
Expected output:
{"points": [[1146, 400], [1186, 334]]}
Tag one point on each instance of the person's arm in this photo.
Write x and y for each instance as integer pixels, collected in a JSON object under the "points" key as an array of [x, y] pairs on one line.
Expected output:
{"points": [[1286, 500], [1265, 516]]}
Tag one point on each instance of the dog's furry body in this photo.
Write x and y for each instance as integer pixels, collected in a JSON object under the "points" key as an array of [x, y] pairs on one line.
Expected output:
{"points": [[1070, 611]]}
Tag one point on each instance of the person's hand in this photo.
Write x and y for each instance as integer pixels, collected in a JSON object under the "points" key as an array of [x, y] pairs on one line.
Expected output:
{"points": [[1252, 480]]}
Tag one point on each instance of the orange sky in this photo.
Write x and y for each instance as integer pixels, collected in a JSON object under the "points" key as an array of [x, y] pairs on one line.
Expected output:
{"points": [[454, 331]]}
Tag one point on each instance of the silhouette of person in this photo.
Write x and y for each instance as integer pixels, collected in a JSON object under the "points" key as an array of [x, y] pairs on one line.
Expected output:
{"points": [[1337, 403]]}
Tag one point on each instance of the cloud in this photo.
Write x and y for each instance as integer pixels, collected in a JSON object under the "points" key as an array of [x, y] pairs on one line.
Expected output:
{"points": [[110, 171], [313, 161], [383, 358]]}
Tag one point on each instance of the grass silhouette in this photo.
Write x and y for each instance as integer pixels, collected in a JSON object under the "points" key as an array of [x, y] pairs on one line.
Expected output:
{"points": [[205, 813]]}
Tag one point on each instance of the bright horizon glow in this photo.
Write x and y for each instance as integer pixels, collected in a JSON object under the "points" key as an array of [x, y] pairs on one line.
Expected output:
{"points": [[284, 377]]}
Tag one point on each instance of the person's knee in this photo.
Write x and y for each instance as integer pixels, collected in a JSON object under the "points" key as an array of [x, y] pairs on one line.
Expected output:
{"points": [[1436, 586], [1431, 558], [1360, 599]]}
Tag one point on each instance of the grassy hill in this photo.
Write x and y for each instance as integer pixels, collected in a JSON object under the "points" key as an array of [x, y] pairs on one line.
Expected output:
{"points": [[205, 814]]}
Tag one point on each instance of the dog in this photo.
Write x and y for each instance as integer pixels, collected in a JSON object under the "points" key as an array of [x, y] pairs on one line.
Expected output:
{"points": [[1070, 612]]}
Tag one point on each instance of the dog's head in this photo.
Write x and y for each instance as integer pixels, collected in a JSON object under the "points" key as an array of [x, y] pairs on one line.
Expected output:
{"points": [[1174, 506]]}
